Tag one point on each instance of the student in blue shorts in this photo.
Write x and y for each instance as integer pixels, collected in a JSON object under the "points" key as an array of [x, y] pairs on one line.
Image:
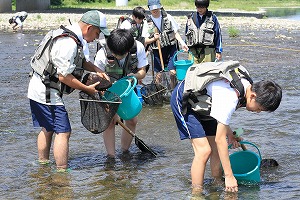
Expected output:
{"points": [[210, 133], [45, 91]]}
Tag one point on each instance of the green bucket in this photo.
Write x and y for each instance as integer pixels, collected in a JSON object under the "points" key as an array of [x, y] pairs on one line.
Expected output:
{"points": [[246, 165], [182, 66], [131, 106]]}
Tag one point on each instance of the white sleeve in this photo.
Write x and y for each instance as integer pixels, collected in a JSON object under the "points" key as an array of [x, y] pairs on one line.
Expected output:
{"points": [[125, 25], [224, 101], [145, 31], [141, 55], [101, 59], [18, 21], [63, 53]]}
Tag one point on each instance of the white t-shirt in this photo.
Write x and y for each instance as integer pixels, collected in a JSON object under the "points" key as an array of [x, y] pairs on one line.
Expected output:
{"points": [[127, 25], [101, 59], [63, 53], [157, 22], [224, 99]]}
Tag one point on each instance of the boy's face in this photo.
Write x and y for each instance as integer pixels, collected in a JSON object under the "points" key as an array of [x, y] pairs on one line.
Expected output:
{"points": [[137, 20], [252, 105], [119, 57], [201, 10], [155, 13], [92, 33]]}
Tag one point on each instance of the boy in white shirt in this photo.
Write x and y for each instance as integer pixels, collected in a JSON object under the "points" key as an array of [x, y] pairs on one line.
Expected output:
{"points": [[208, 133], [121, 56]]}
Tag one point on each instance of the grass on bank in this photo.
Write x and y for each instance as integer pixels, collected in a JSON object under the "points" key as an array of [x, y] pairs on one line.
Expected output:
{"points": [[246, 5]]}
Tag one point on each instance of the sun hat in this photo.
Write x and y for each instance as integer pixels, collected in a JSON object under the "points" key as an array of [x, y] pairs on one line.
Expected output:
{"points": [[96, 18], [154, 4]]}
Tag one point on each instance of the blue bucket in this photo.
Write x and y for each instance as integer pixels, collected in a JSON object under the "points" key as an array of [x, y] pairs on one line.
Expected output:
{"points": [[246, 165], [182, 65], [131, 106], [139, 94]]}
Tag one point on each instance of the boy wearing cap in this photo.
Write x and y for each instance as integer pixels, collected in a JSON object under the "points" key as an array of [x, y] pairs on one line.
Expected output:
{"points": [[68, 58], [168, 29]]}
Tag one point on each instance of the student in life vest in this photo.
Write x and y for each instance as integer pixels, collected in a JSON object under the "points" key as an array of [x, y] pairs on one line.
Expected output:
{"points": [[17, 20], [68, 60], [168, 30], [210, 134], [139, 26], [203, 34], [121, 56]]}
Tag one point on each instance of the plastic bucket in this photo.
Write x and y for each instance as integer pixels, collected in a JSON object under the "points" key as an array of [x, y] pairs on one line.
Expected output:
{"points": [[139, 94], [131, 106], [182, 65], [246, 165]]}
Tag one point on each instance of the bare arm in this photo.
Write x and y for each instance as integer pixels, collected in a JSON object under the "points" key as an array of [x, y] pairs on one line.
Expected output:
{"points": [[182, 43], [222, 145], [89, 66], [140, 74], [71, 81]]}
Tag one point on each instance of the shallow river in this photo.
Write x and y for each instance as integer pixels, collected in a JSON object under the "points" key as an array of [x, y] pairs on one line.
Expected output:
{"points": [[141, 176]]}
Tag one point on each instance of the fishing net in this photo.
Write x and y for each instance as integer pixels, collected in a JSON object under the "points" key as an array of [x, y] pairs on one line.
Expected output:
{"points": [[153, 93], [97, 111]]}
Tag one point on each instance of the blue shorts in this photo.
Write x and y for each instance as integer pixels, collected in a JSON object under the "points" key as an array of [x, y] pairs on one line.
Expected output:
{"points": [[52, 118], [190, 125]]}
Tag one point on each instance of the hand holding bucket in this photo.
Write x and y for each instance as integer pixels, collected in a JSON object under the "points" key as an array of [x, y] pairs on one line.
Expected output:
{"points": [[131, 105], [182, 65], [246, 165]]}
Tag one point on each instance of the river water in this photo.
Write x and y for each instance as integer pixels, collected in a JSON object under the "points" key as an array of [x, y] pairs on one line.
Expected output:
{"points": [[268, 54]]}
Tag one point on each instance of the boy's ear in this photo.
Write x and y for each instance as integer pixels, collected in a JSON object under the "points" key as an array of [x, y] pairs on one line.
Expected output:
{"points": [[253, 95]]}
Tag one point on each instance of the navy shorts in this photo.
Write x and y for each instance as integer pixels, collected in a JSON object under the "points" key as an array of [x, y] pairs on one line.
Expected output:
{"points": [[168, 53], [190, 125], [52, 118]]}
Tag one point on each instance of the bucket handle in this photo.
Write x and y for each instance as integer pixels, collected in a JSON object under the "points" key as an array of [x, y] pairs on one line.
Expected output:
{"points": [[128, 90], [180, 51], [246, 142]]}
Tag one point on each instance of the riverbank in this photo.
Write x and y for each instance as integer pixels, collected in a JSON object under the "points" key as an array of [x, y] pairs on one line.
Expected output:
{"points": [[47, 21]]}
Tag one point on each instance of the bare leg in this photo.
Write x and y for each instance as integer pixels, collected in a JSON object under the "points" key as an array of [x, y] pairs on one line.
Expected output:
{"points": [[109, 138], [43, 144], [61, 150], [202, 152], [126, 138], [215, 163]]}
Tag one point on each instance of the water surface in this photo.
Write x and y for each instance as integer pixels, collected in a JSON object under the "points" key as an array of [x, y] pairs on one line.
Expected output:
{"points": [[138, 175]]}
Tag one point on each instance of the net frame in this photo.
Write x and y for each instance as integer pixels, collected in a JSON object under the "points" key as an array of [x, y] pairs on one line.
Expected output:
{"points": [[97, 111], [152, 94]]}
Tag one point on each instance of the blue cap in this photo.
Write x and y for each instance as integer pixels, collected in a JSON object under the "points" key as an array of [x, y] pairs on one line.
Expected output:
{"points": [[154, 4]]}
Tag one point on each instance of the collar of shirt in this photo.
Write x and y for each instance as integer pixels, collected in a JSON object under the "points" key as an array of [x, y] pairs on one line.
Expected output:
{"points": [[76, 29]]}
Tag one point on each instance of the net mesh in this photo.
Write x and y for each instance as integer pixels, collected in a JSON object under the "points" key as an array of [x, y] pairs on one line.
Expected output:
{"points": [[153, 93], [97, 111]]}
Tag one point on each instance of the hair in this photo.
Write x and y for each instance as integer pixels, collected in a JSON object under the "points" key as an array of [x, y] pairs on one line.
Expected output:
{"points": [[139, 12], [120, 41], [11, 20], [204, 3], [268, 94]]}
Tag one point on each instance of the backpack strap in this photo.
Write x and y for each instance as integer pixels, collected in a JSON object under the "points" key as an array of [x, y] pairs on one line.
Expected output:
{"points": [[48, 78]]}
